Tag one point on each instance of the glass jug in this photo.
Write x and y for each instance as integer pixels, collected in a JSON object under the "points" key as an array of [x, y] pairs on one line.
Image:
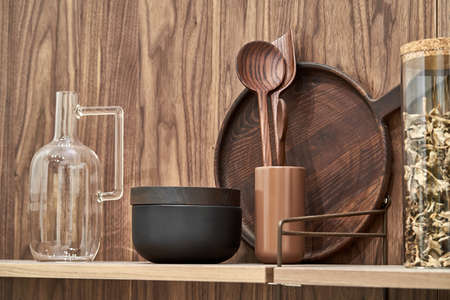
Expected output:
{"points": [[65, 196]]}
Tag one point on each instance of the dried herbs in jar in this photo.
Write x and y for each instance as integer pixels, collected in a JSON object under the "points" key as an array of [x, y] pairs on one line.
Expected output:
{"points": [[426, 152]]}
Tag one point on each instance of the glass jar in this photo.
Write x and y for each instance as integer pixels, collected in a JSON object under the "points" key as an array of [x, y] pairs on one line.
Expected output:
{"points": [[65, 196], [426, 152]]}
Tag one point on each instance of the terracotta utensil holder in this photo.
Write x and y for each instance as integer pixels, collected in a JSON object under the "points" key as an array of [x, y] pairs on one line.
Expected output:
{"points": [[279, 194]]}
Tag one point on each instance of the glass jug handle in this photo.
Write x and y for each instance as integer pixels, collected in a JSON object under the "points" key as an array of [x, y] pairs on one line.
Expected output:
{"points": [[117, 112]]}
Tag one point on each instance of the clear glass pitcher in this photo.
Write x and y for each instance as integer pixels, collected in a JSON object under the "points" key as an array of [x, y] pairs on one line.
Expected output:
{"points": [[65, 196]]}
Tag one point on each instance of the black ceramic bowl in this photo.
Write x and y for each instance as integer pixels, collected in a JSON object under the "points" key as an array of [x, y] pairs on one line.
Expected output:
{"points": [[186, 224]]}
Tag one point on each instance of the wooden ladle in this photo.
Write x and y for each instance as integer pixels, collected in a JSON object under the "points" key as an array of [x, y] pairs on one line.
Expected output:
{"points": [[286, 46], [260, 67]]}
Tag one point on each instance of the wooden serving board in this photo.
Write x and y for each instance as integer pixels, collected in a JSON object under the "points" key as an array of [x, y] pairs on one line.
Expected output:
{"points": [[335, 131]]}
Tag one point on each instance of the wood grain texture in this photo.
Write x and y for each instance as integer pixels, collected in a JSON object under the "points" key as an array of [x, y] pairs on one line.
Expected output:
{"points": [[6, 230], [53, 289], [443, 18], [395, 276], [326, 110], [170, 64], [175, 109], [241, 273], [285, 44], [280, 131], [65, 45], [326, 292], [46, 54], [366, 47], [403, 294], [260, 66], [443, 295]]}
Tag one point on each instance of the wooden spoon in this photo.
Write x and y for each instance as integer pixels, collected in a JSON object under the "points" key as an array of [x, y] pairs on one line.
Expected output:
{"points": [[280, 131], [286, 45], [260, 67]]}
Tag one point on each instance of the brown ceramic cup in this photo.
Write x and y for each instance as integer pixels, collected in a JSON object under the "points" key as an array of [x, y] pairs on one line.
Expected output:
{"points": [[279, 194]]}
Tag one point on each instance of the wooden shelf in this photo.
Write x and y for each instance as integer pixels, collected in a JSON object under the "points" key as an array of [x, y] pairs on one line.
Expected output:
{"points": [[392, 276], [292, 275], [251, 273]]}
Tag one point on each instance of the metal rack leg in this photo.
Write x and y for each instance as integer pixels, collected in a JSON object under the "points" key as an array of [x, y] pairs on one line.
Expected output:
{"points": [[387, 202], [382, 235]]}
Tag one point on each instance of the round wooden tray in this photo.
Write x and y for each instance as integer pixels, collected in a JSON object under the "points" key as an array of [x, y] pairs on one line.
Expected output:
{"points": [[335, 131]]}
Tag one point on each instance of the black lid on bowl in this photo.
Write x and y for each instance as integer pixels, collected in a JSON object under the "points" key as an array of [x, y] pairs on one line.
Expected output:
{"points": [[178, 195]]}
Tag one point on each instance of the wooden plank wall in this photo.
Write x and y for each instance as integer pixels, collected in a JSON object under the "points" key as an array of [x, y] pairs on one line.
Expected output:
{"points": [[170, 65]]}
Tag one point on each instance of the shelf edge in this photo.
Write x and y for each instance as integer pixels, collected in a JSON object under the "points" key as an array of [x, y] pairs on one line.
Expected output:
{"points": [[245, 273]]}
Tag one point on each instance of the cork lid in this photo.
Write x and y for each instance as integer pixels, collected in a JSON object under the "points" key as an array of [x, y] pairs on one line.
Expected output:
{"points": [[427, 47]]}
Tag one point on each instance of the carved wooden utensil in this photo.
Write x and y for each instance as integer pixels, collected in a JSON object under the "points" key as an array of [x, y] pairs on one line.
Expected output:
{"points": [[286, 46], [260, 67], [280, 122]]}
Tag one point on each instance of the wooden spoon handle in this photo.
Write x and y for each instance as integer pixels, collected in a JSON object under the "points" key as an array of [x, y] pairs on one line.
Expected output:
{"points": [[264, 125], [282, 128], [274, 101]]}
